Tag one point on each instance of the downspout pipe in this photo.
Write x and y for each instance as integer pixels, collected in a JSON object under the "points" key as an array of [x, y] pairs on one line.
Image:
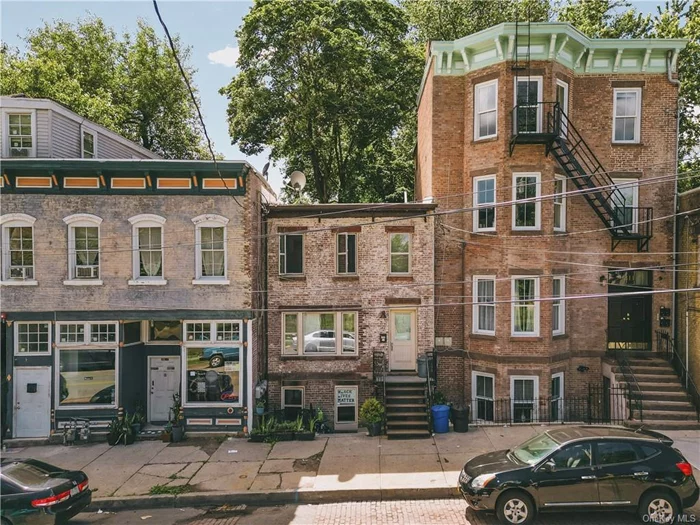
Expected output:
{"points": [[676, 242]]}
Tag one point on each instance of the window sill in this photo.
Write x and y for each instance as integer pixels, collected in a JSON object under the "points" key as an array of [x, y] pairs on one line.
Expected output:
{"points": [[488, 337], [333, 357], [526, 338], [288, 277], [489, 231], [351, 277], [400, 278], [634, 144], [85, 282], [220, 282], [485, 140], [27, 282], [526, 231], [138, 282], [556, 337]]}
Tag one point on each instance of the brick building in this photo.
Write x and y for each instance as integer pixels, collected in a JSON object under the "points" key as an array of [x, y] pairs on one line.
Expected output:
{"points": [[567, 148], [125, 278], [363, 270]]}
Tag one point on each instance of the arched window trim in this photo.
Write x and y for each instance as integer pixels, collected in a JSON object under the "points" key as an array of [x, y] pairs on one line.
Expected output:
{"points": [[81, 219]]}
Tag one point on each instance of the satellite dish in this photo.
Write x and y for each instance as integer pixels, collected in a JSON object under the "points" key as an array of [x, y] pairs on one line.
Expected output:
{"points": [[297, 180]]}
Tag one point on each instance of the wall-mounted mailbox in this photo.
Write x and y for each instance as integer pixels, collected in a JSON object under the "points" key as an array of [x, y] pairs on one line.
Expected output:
{"points": [[382, 338], [31, 388], [664, 317]]}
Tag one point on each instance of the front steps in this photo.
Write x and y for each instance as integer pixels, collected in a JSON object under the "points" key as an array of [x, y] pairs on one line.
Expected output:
{"points": [[406, 408], [665, 404]]}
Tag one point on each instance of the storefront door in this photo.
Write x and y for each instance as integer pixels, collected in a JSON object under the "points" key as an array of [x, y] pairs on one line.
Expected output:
{"points": [[164, 381], [403, 339], [32, 402]]}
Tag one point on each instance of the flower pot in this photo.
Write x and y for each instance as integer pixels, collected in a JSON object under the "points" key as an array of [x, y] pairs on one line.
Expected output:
{"points": [[260, 411], [136, 428], [257, 438], [112, 439], [166, 437], [129, 439], [283, 436], [304, 436], [178, 434], [375, 429]]}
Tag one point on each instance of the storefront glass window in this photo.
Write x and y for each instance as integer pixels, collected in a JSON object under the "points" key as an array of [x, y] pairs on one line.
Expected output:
{"points": [[214, 374], [87, 376]]}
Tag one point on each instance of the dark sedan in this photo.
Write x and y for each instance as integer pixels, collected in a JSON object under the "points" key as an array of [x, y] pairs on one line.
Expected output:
{"points": [[582, 467], [36, 493]]}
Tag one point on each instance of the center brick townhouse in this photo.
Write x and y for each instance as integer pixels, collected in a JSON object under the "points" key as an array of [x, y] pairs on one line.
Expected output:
{"points": [[544, 194]]}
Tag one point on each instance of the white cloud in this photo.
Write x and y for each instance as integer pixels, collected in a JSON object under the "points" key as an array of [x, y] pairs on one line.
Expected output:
{"points": [[227, 56]]}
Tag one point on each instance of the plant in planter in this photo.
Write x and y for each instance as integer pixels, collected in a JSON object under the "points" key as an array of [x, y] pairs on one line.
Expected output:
{"points": [[167, 435], [260, 407], [119, 431], [139, 417], [310, 433], [267, 426], [284, 431], [177, 419], [372, 415]]}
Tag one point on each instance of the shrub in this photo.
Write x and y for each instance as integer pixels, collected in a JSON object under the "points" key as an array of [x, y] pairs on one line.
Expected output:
{"points": [[372, 411]]}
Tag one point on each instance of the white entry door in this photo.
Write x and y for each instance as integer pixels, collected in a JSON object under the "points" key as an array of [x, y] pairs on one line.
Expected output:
{"points": [[403, 339], [163, 382], [32, 402]]}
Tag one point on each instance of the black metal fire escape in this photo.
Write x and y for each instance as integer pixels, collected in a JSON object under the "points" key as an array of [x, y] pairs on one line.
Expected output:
{"points": [[573, 155]]}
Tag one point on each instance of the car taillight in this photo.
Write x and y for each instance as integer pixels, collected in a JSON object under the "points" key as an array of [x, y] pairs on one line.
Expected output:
{"points": [[83, 486], [685, 468], [51, 500]]}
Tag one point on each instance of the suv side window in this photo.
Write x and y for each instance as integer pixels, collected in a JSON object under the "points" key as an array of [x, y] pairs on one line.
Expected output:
{"points": [[573, 456], [614, 452], [648, 451]]}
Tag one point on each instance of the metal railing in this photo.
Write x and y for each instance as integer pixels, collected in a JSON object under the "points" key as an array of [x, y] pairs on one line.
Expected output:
{"points": [[600, 406], [635, 392], [431, 367], [379, 370], [665, 345]]}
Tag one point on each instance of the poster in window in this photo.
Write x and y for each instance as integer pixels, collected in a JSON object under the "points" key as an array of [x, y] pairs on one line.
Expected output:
{"points": [[346, 404]]}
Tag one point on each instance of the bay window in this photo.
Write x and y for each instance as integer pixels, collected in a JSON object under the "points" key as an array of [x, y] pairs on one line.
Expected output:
{"points": [[482, 396], [484, 307], [559, 204], [525, 309], [486, 110], [558, 305], [524, 393], [526, 215], [319, 333], [484, 201]]}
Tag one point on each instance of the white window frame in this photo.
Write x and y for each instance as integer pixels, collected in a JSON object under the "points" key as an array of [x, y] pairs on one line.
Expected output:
{"points": [[514, 305], [82, 220], [477, 305], [560, 304], [303, 396], [560, 399], [6, 131], [475, 197], [540, 82], [564, 131], [410, 253], [147, 221], [212, 342], [535, 401], [16, 220], [478, 111], [475, 398], [559, 207], [338, 253], [537, 201], [337, 323], [209, 221], [624, 183], [17, 324], [283, 241], [85, 345], [637, 116], [90, 131]]}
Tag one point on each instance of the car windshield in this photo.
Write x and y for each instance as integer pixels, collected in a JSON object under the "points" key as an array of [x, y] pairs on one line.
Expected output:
{"points": [[534, 449]]}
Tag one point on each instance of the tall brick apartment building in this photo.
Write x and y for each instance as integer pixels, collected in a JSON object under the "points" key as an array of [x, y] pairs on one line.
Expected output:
{"points": [[567, 146]]}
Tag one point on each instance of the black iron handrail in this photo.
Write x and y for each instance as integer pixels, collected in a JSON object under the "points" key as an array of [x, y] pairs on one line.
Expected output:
{"points": [[379, 370], [432, 375], [666, 346], [635, 392]]}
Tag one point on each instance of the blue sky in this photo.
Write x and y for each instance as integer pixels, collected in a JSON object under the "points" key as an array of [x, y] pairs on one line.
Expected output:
{"points": [[207, 27]]}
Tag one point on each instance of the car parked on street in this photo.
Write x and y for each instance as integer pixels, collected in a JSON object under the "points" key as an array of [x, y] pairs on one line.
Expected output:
{"points": [[35, 493], [582, 467]]}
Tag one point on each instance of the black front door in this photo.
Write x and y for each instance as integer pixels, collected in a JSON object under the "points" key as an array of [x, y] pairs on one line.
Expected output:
{"points": [[572, 481], [629, 316]]}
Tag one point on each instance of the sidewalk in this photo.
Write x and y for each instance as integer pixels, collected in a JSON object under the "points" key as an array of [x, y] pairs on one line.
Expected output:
{"points": [[336, 467]]}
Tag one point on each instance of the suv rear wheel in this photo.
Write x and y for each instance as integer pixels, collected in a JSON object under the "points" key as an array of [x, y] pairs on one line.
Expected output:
{"points": [[658, 507], [515, 508]]}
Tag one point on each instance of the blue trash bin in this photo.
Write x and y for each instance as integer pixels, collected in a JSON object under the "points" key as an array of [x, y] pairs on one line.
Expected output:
{"points": [[441, 419]]}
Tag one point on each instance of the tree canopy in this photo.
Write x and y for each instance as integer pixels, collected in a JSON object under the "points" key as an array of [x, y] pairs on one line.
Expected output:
{"points": [[128, 83]]}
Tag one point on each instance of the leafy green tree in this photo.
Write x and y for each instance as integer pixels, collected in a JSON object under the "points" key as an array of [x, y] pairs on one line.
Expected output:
{"points": [[327, 85], [129, 84]]}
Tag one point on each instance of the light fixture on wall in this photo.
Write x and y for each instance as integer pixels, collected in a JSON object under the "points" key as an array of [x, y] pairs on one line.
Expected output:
{"points": [[582, 368], [382, 314]]}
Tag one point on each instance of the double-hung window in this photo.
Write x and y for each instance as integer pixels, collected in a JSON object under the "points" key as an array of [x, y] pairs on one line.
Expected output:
{"points": [[21, 134], [627, 115], [400, 253], [483, 395], [528, 95], [484, 308], [486, 110], [83, 249], [211, 257], [319, 333], [89, 144], [17, 249], [346, 259], [524, 392], [291, 254], [148, 249], [559, 204], [556, 403], [32, 338], [526, 214], [292, 401], [558, 305], [484, 196], [525, 306]]}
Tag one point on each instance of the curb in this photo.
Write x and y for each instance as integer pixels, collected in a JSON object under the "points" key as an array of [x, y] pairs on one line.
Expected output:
{"points": [[263, 499]]}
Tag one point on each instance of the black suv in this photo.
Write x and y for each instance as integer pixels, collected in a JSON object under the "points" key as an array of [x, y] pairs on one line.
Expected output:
{"points": [[582, 467]]}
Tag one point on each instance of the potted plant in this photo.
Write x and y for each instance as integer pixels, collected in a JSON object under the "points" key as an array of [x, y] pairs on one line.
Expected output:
{"points": [[372, 415], [167, 435], [310, 433], [177, 420], [139, 417], [113, 432], [284, 431], [119, 431], [260, 407], [267, 426]]}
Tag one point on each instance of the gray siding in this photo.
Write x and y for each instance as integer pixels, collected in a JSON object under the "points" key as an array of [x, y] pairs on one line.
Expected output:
{"points": [[65, 135], [108, 148], [42, 134]]}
